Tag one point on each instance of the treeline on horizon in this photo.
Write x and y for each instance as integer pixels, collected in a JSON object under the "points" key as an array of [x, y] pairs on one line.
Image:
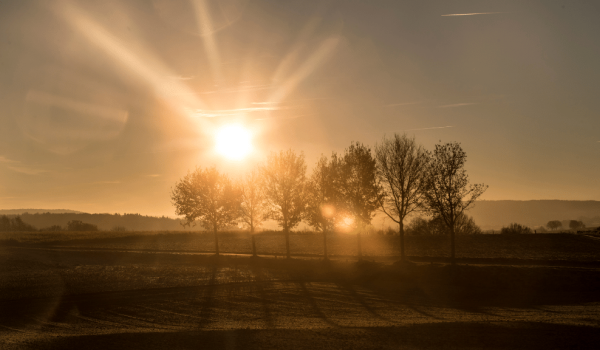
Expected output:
{"points": [[492, 214], [104, 222], [400, 178]]}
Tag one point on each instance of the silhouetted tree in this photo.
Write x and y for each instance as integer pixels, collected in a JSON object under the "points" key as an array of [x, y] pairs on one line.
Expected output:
{"points": [[323, 198], [209, 197], [447, 190], [253, 206], [284, 182], [515, 229], [253, 202], [421, 227], [554, 225], [359, 190], [465, 225], [15, 224], [575, 224], [4, 223], [80, 226], [401, 170]]}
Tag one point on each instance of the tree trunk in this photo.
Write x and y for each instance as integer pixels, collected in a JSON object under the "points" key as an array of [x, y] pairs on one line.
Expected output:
{"points": [[325, 244], [452, 256], [359, 246], [253, 246], [216, 241], [401, 228], [287, 243]]}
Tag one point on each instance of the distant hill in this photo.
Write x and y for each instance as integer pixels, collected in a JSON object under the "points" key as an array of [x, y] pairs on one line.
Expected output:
{"points": [[105, 222], [37, 211], [489, 215], [495, 214]]}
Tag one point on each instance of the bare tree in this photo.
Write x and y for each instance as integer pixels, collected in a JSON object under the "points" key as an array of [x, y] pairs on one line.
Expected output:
{"points": [[358, 186], [576, 224], [401, 170], [554, 224], [209, 197], [447, 190], [284, 180], [253, 207], [322, 199]]}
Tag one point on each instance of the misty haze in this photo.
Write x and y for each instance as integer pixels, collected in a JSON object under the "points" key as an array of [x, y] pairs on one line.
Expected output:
{"points": [[261, 174]]}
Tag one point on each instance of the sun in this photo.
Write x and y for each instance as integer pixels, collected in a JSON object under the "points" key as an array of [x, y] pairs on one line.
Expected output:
{"points": [[233, 141]]}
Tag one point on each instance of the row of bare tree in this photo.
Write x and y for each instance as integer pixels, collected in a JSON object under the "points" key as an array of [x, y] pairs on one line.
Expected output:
{"points": [[400, 178]]}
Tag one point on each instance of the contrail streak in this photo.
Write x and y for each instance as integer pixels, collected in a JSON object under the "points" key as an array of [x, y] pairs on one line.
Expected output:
{"points": [[471, 14], [435, 127], [458, 105]]}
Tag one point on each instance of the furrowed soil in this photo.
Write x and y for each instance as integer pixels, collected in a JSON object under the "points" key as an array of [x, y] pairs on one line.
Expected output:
{"points": [[154, 291]]}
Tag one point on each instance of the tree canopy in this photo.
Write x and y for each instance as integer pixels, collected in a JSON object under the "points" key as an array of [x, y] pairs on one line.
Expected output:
{"points": [[209, 197], [401, 171], [284, 182], [448, 192]]}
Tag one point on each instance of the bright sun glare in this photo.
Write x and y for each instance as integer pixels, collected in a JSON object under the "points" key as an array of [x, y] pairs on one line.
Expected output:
{"points": [[234, 141]]}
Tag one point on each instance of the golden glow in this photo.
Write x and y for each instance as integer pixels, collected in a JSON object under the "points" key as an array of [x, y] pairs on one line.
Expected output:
{"points": [[348, 221], [346, 224], [234, 142], [327, 210]]}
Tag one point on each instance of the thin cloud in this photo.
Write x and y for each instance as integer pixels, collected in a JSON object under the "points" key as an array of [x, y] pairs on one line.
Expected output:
{"points": [[3, 159], [27, 171], [265, 103], [180, 77], [233, 112], [435, 127], [471, 14], [403, 104], [153, 175], [292, 117], [458, 105], [106, 182], [240, 89]]}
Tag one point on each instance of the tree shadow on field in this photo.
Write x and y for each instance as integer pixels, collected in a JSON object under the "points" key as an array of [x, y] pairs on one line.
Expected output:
{"points": [[313, 303], [441, 335], [473, 288], [208, 300], [351, 291], [260, 278]]}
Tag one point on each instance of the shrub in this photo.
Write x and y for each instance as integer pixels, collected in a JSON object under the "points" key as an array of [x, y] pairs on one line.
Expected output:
{"points": [[575, 225], [554, 225], [465, 225], [14, 224], [76, 225], [515, 229], [52, 228]]}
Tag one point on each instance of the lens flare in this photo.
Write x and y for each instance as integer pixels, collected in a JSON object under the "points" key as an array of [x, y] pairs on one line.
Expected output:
{"points": [[234, 142]]}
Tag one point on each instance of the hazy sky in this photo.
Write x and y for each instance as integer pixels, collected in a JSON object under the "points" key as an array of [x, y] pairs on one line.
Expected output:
{"points": [[106, 104]]}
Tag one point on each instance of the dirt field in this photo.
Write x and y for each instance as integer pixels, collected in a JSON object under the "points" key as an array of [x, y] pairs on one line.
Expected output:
{"points": [[544, 247], [55, 298]]}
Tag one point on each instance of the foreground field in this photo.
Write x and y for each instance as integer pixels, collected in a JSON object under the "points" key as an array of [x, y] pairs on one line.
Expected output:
{"points": [[543, 247], [98, 299]]}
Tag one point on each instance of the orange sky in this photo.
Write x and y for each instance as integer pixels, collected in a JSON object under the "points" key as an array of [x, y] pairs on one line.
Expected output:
{"points": [[105, 105]]}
